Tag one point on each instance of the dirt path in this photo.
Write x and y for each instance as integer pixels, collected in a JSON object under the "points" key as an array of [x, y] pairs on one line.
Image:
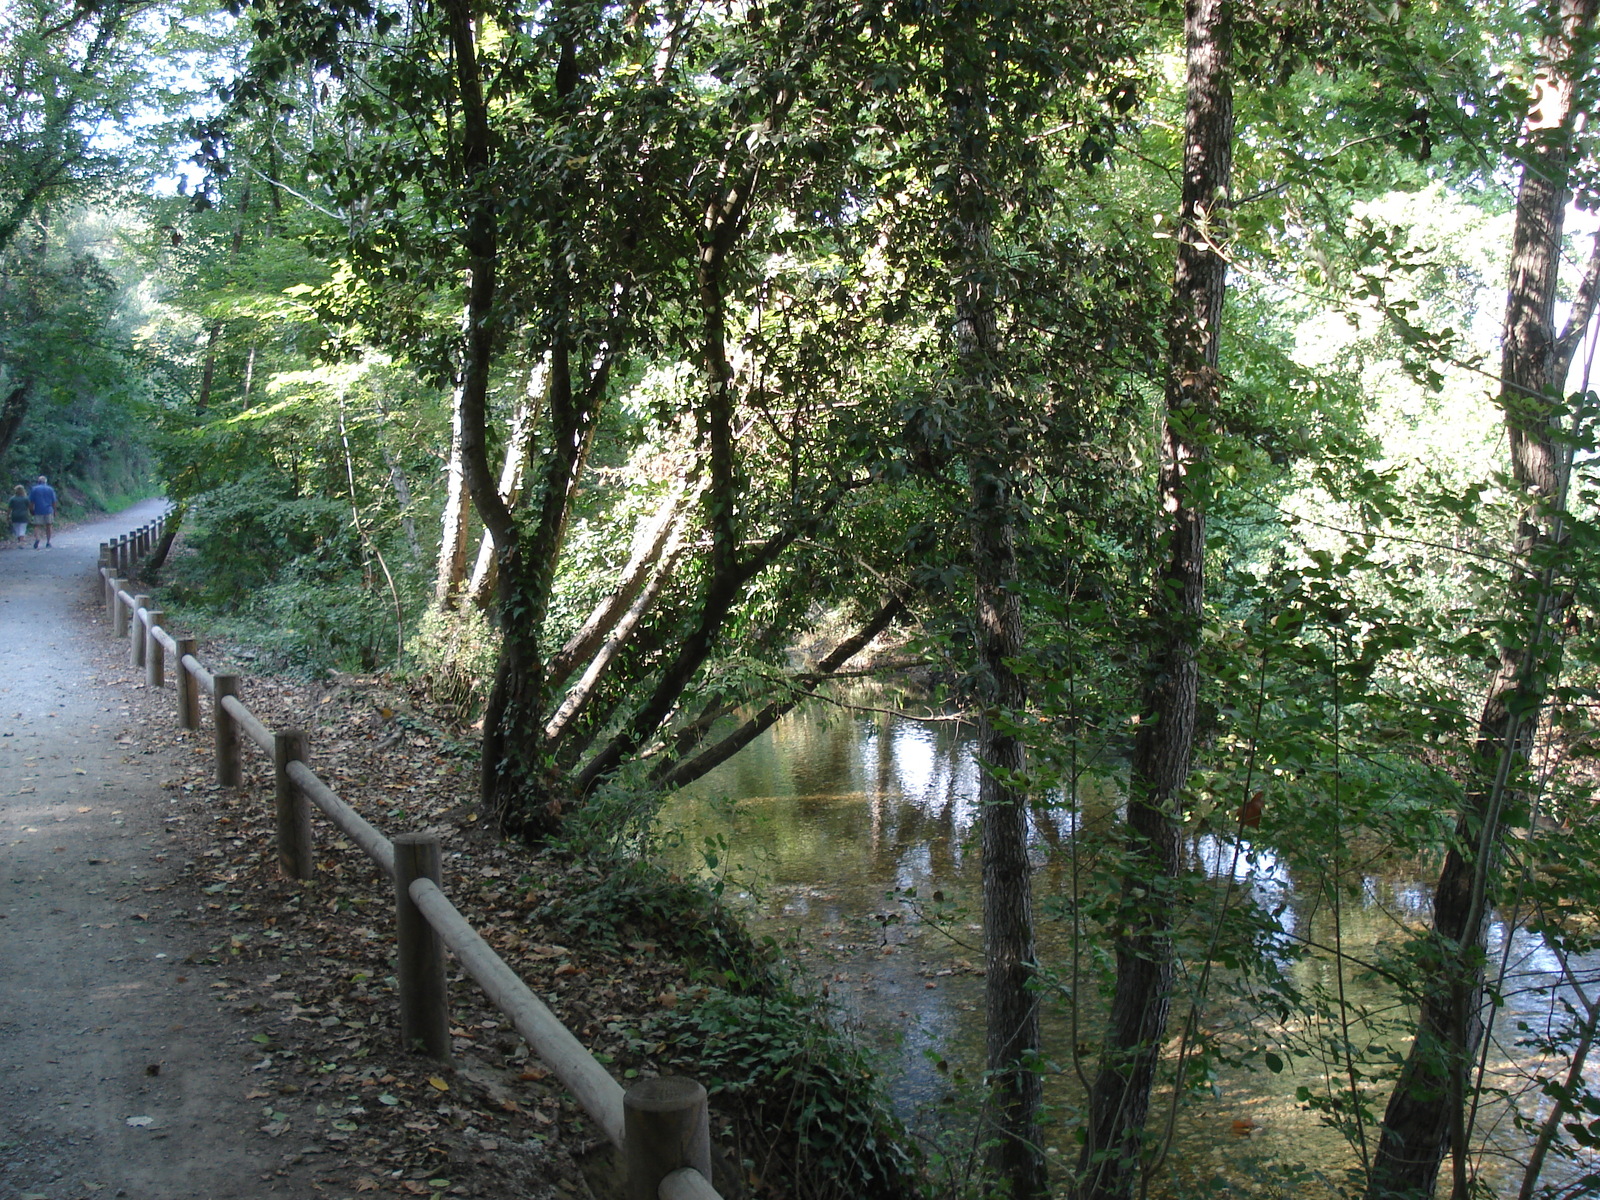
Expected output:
{"points": [[119, 1075]]}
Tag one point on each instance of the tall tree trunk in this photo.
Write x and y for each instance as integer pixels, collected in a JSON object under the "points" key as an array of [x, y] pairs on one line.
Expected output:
{"points": [[724, 222], [1110, 1166], [1015, 1159], [1427, 1111], [452, 569], [517, 680], [516, 784]]}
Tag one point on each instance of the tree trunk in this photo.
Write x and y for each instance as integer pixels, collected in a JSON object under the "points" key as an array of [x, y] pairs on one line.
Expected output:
{"points": [[208, 373], [13, 411], [1015, 1156], [517, 679], [402, 496], [664, 526], [1110, 1165], [1427, 1112], [523, 421], [612, 641], [722, 226], [452, 568], [169, 534], [677, 774]]}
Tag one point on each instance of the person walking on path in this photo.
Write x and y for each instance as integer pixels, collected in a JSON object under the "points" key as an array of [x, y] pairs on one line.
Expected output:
{"points": [[21, 509], [43, 500]]}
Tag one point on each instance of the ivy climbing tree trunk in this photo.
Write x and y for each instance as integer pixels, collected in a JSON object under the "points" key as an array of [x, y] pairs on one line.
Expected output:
{"points": [[1428, 1111], [1110, 1166]]}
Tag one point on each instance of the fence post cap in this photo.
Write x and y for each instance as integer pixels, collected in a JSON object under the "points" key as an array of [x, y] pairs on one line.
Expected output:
{"points": [[664, 1093]]}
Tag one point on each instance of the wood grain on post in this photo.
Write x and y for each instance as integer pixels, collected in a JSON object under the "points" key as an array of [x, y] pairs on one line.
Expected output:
{"points": [[424, 1006], [136, 632], [665, 1128], [225, 731], [123, 565], [188, 693], [119, 619], [113, 585], [294, 813], [155, 654]]}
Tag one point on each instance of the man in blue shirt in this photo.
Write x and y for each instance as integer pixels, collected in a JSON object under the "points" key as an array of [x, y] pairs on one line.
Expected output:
{"points": [[42, 499]]}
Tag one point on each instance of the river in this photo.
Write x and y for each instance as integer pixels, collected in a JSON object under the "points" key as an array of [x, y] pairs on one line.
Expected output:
{"points": [[850, 836]]}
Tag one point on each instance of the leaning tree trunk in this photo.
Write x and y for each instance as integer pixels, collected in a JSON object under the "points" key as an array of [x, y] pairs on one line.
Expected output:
{"points": [[1427, 1112], [1110, 1165], [169, 534]]}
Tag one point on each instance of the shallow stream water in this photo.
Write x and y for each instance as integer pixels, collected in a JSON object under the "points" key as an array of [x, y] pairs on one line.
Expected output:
{"points": [[838, 830]]}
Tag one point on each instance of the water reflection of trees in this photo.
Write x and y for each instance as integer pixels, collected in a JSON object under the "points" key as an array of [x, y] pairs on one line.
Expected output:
{"points": [[839, 809]]}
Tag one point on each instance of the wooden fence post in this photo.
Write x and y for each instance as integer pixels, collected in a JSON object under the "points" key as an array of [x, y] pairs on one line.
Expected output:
{"points": [[111, 595], [155, 654], [665, 1127], [424, 1006], [119, 615], [123, 564], [136, 632], [105, 554], [294, 813], [188, 689], [226, 731]]}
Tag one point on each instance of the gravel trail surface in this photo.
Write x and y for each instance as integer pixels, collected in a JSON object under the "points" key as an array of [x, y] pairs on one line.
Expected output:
{"points": [[119, 1074]]}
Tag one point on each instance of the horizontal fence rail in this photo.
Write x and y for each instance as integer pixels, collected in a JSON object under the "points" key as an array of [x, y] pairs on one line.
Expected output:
{"points": [[660, 1126]]}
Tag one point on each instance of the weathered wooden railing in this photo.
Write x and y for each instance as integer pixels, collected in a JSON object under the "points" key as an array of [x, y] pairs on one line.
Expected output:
{"points": [[659, 1125]]}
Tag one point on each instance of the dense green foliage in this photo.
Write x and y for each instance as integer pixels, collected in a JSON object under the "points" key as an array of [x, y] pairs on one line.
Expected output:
{"points": [[740, 333]]}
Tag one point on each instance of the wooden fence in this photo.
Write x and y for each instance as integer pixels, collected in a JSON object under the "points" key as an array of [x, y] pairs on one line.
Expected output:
{"points": [[659, 1125]]}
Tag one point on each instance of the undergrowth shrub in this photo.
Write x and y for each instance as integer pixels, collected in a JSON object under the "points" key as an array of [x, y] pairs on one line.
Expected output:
{"points": [[805, 1115], [809, 1119], [454, 656]]}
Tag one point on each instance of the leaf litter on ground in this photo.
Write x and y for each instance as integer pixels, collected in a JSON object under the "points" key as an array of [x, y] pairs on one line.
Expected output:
{"points": [[307, 966]]}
